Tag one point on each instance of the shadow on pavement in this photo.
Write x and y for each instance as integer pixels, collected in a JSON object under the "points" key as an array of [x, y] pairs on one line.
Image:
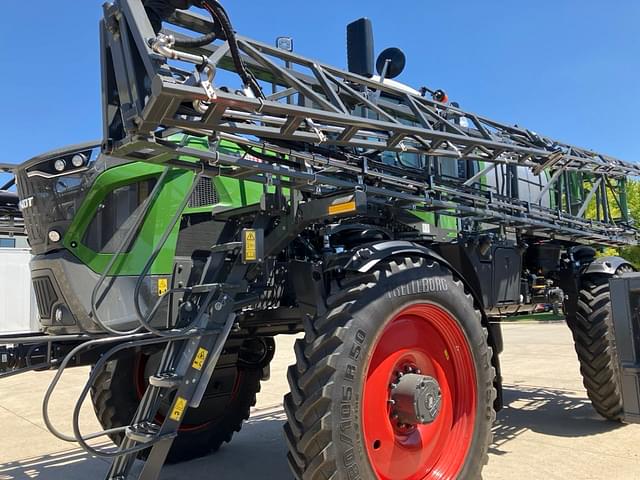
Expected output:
{"points": [[547, 411], [66, 465], [258, 451]]}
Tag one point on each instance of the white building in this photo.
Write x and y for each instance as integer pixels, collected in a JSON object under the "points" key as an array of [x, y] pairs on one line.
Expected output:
{"points": [[18, 308]]}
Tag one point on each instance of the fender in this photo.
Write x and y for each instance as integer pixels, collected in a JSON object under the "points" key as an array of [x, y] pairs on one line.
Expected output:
{"points": [[366, 257], [605, 265]]}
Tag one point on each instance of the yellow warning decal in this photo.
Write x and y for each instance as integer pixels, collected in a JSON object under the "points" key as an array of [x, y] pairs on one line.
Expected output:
{"points": [[344, 207], [446, 354], [250, 246], [201, 356], [163, 286], [178, 409]]}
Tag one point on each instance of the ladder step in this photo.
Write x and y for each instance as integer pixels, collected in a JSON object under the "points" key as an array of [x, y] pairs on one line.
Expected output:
{"points": [[226, 247], [166, 380], [142, 432], [207, 287]]}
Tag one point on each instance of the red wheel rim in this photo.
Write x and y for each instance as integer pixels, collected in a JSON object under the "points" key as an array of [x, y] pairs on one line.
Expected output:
{"points": [[428, 338]]}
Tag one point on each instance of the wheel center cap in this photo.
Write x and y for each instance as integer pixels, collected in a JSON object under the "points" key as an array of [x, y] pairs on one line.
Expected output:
{"points": [[416, 400]]}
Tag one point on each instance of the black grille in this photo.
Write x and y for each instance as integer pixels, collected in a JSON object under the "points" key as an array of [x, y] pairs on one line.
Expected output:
{"points": [[204, 195], [31, 215], [45, 296]]}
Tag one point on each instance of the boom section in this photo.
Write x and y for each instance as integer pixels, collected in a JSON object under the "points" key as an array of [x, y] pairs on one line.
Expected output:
{"points": [[327, 129], [11, 221]]}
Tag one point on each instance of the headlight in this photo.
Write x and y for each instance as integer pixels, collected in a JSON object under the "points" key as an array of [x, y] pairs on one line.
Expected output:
{"points": [[78, 160], [54, 236], [59, 165]]}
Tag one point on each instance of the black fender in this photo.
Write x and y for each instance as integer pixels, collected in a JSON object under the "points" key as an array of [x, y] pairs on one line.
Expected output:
{"points": [[364, 258], [605, 266], [582, 263]]}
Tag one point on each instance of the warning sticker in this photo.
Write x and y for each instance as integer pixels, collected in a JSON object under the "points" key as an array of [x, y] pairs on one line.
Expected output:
{"points": [[163, 286], [201, 356], [178, 409], [250, 246]]}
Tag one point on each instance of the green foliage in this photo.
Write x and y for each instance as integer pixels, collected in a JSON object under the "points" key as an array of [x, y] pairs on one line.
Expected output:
{"points": [[633, 199], [613, 190], [632, 254]]}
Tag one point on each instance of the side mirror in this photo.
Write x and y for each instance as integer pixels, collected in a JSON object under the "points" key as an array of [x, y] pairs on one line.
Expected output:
{"points": [[391, 63]]}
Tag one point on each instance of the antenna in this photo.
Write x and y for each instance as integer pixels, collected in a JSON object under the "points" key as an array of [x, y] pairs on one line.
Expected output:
{"points": [[360, 47]]}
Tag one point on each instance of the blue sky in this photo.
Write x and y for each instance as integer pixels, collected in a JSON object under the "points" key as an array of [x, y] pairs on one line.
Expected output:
{"points": [[565, 68]]}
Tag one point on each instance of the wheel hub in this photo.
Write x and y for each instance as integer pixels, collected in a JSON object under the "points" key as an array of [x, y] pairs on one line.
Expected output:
{"points": [[421, 377], [416, 399]]}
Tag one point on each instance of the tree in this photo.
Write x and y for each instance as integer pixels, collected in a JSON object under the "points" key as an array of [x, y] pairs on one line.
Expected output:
{"points": [[633, 200]]}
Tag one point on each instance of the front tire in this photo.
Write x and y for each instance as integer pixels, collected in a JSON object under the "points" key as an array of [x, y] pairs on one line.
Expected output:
{"points": [[409, 315], [230, 395], [591, 324]]}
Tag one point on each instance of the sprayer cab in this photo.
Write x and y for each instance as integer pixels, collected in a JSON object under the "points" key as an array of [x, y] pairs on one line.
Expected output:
{"points": [[76, 205]]}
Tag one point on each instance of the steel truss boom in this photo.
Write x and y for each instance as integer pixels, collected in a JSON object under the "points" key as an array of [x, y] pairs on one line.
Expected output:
{"points": [[11, 222], [332, 125]]}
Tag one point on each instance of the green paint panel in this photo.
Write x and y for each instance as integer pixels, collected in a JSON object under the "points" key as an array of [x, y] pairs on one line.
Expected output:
{"points": [[231, 193], [157, 220]]}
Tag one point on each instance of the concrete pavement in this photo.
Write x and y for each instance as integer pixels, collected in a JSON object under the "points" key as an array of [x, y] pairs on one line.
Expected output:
{"points": [[548, 429]]}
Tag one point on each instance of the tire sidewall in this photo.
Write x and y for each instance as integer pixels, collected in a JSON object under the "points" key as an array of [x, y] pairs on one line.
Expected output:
{"points": [[371, 313], [124, 399]]}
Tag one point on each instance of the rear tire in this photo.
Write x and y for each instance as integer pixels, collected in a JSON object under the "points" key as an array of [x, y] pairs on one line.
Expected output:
{"points": [[340, 424], [595, 344], [118, 389]]}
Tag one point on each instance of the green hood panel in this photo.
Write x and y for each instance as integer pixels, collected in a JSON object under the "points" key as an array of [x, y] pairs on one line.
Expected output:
{"points": [[231, 193]]}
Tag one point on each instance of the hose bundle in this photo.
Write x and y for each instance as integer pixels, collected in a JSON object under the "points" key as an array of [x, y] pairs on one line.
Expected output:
{"points": [[160, 10]]}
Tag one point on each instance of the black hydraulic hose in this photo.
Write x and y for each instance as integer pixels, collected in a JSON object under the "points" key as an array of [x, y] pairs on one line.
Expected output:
{"points": [[56, 379], [85, 391], [146, 319], [139, 341], [219, 13], [160, 10], [196, 42], [146, 205]]}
